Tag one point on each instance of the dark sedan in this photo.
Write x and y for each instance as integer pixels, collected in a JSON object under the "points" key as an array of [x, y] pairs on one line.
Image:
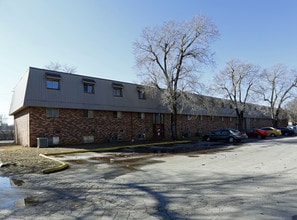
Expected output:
{"points": [[286, 131], [230, 135]]}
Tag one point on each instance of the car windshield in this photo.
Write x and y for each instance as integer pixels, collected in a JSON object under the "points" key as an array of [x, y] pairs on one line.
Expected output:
{"points": [[233, 131]]}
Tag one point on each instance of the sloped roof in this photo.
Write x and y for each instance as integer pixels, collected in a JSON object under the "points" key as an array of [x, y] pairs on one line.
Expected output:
{"points": [[31, 91]]}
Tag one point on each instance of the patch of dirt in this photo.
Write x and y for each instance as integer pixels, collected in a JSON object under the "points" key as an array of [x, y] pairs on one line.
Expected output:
{"points": [[21, 160]]}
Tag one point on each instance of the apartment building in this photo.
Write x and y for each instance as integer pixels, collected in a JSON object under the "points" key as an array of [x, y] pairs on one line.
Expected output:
{"points": [[75, 109]]}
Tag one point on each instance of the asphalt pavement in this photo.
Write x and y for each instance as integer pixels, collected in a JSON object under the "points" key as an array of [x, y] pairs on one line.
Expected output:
{"points": [[247, 181]]}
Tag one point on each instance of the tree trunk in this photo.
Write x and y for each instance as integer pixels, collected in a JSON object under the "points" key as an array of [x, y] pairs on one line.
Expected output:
{"points": [[174, 124], [275, 122], [275, 119], [240, 119]]}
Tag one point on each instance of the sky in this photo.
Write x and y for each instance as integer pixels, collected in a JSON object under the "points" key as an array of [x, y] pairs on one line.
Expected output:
{"points": [[96, 36]]}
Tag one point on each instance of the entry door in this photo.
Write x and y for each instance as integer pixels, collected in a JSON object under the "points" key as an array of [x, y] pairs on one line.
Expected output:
{"points": [[158, 126]]}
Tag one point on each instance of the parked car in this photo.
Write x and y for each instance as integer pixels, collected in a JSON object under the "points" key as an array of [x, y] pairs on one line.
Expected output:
{"points": [[273, 132], [257, 133], [294, 128], [286, 131], [228, 134]]}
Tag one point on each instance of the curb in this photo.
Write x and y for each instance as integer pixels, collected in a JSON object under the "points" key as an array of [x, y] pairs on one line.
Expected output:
{"points": [[61, 167]]}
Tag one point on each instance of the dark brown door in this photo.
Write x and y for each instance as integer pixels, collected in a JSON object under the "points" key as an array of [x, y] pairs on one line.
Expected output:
{"points": [[158, 126]]}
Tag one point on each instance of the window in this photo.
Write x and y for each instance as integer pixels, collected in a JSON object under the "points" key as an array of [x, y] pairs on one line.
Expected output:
{"points": [[141, 93], [53, 81], [53, 84], [117, 115], [118, 92], [52, 112], [158, 118], [141, 115], [88, 139], [89, 86], [224, 132], [117, 89], [88, 114], [218, 132]]}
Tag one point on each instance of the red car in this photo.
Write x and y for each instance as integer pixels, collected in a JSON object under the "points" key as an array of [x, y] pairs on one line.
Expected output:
{"points": [[257, 133]]}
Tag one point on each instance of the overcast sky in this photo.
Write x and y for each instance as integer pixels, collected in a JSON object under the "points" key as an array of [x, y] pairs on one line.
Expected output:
{"points": [[96, 36]]}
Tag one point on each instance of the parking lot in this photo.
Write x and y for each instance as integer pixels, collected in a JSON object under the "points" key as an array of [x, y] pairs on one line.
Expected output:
{"points": [[252, 180]]}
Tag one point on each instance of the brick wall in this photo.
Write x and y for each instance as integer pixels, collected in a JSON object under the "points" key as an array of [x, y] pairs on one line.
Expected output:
{"points": [[72, 127]]}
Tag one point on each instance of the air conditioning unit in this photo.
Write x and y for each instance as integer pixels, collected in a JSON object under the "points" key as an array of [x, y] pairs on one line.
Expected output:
{"points": [[42, 142]]}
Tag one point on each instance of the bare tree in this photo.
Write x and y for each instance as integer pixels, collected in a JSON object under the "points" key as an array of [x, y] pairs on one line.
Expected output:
{"points": [[168, 58], [3, 121], [275, 87], [58, 67], [235, 83], [291, 108]]}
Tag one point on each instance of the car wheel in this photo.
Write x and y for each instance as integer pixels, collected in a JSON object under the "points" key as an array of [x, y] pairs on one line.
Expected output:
{"points": [[272, 135], [259, 136], [231, 139], [208, 139], [286, 134]]}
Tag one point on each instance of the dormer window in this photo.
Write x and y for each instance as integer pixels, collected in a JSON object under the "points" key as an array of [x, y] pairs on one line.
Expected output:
{"points": [[117, 89], [53, 81], [141, 93], [89, 86]]}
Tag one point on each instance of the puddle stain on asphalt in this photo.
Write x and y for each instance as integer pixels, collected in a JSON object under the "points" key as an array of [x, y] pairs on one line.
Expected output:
{"points": [[118, 164], [122, 163]]}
